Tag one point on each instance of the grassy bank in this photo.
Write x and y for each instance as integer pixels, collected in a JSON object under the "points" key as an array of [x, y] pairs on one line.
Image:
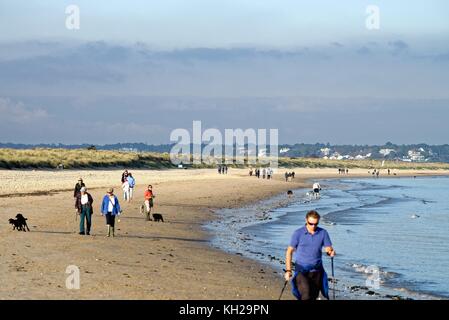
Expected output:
{"points": [[81, 158]]}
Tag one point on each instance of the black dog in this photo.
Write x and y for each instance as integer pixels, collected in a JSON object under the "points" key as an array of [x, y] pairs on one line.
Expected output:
{"points": [[22, 221], [15, 224], [158, 217], [289, 192]]}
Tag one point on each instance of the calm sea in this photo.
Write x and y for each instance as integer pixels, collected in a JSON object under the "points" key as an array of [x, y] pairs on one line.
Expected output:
{"points": [[398, 226]]}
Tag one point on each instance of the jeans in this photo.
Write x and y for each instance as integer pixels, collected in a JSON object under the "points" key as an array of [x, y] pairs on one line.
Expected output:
{"points": [[86, 214]]}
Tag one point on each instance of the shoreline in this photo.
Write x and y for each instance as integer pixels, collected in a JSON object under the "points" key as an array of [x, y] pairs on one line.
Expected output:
{"points": [[248, 228], [179, 253]]}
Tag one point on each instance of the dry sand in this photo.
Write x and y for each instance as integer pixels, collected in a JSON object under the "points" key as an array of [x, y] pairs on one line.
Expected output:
{"points": [[146, 260]]}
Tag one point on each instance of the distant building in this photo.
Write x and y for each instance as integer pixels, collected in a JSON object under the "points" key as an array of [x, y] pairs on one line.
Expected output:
{"points": [[416, 156], [386, 152], [325, 151]]}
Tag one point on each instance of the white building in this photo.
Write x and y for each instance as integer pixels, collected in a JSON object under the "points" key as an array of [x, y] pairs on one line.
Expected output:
{"points": [[416, 156], [386, 152], [325, 151]]}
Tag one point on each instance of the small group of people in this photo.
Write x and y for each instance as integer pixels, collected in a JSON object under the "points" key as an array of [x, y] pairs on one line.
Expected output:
{"points": [[266, 173], [343, 171], [376, 173], [223, 169], [289, 175], [110, 205], [128, 184], [110, 208]]}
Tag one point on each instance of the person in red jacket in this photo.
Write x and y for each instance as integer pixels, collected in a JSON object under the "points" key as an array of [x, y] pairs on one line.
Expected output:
{"points": [[149, 195]]}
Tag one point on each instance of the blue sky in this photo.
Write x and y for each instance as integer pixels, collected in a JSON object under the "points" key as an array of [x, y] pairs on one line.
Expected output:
{"points": [[140, 69], [193, 23]]}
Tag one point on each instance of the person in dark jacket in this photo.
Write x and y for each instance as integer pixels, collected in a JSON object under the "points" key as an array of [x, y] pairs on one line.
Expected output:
{"points": [[78, 187], [110, 207], [124, 176], [83, 205]]}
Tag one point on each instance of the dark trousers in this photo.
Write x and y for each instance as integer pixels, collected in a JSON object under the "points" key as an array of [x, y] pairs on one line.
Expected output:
{"points": [[85, 215], [110, 219], [309, 285]]}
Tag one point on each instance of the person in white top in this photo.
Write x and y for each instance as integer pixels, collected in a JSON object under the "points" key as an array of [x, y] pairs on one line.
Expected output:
{"points": [[126, 191], [316, 190]]}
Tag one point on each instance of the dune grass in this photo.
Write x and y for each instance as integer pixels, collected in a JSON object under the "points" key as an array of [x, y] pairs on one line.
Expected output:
{"points": [[80, 158], [43, 158]]}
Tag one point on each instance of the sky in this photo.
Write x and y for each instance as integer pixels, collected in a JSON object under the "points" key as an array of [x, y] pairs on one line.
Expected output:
{"points": [[136, 70]]}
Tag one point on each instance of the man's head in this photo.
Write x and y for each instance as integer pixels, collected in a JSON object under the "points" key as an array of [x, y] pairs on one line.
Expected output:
{"points": [[110, 191], [150, 187], [83, 190], [80, 180], [312, 219]]}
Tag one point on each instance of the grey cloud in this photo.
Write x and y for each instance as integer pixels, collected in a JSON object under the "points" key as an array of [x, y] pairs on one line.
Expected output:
{"points": [[135, 93], [17, 113], [364, 51], [398, 46], [337, 44]]}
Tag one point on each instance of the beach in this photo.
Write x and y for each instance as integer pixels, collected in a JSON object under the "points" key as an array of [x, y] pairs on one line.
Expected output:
{"points": [[146, 260]]}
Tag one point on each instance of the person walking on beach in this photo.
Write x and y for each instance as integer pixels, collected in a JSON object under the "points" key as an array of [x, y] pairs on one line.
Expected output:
{"points": [[132, 183], [226, 169], [307, 243], [251, 172], [293, 174], [124, 176], [125, 187], [110, 207], [316, 190], [83, 205], [149, 196], [286, 176], [264, 172], [78, 187]]}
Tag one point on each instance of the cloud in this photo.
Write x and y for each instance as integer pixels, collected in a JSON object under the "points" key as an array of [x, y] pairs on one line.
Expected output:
{"points": [[364, 51], [337, 44], [398, 46], [17, 113], [442, 57]]}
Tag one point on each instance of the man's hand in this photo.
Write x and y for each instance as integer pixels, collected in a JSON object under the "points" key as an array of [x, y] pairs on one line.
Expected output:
{"points": [[331, 253], [288, 275]]}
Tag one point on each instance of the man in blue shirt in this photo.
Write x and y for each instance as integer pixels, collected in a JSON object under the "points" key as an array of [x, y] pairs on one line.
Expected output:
{"points": [[307, 244]]}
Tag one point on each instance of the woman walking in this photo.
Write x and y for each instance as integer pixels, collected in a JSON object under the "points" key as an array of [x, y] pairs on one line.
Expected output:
{"points": [[110, 208], [83, 206]]}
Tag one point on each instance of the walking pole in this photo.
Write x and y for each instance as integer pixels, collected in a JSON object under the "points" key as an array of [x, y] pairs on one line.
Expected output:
{"points": [[283, 289], [333, 277]]}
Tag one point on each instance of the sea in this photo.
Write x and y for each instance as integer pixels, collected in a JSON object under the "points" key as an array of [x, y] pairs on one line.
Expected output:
{"points": [[391, 235]]}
